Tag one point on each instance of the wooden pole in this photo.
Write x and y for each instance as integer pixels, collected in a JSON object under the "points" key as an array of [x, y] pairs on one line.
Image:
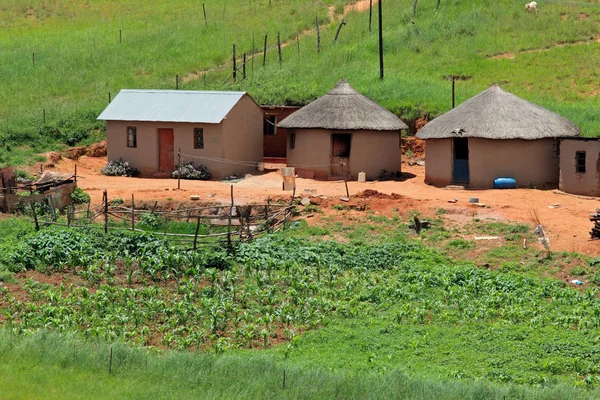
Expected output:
{"points": [[265, 52], [244, 68], [438, 4], [110, 362], [279, 48], [453, 77], [318, 35], [105, 200], [196, 234], [338, 30], [415, 7], [108, 97], [176, 82], [204, 11], [370, 13], [179, 168], [229, 246], [253, 48], [33, 59], [298, 43], [88, 209], [345, 178], [69, 215], [380, 40], [44, 116], [267, 222], [37, 224], [120, 36], [132, 212], [234, 67]]}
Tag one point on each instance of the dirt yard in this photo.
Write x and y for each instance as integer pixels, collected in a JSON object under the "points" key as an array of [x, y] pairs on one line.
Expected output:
{"points": [[567, 225]]}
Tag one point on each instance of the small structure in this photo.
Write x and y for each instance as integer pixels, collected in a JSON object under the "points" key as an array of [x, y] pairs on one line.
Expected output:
{"points": [[341, 134], [492, 135], [580, 166], [275, 138], [222, 130]]}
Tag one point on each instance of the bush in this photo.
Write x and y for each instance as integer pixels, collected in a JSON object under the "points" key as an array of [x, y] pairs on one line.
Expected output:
{"points": [[188, 171], [151, 221], [120, 168], [79, 196]]}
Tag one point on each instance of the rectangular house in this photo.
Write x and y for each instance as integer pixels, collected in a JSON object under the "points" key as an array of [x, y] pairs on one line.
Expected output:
{"points": [[221, 130], [580, 166]]}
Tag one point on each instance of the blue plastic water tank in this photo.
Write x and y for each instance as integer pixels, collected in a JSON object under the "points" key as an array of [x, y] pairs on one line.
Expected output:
{"points": [[505, 183]]}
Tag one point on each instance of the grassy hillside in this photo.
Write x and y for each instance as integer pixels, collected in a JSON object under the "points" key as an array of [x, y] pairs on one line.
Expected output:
{"points": [[548, 58]]}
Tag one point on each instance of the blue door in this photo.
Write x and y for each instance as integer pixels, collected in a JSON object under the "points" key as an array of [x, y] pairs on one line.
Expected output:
{"points": [[460, 149]]}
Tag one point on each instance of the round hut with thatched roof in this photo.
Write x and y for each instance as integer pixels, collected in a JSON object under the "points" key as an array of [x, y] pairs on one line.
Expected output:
{"points": [[343, 133], [492, 135]]}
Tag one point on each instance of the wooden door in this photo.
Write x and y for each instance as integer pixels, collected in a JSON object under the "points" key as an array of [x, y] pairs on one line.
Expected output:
{"points": [[166, 161], [340, 154]]}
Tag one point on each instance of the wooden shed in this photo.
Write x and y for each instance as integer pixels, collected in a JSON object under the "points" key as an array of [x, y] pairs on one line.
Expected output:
{"points": [[343, 133], [222, 130], [495, 134]]}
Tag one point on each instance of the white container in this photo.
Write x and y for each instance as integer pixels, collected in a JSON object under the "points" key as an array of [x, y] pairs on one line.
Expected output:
{"points": [[261, 166], [362, 177]]}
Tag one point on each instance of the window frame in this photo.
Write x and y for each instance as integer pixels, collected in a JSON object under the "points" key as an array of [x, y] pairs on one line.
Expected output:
{"points": [[195, 138], [580, 157], [133, 131]]}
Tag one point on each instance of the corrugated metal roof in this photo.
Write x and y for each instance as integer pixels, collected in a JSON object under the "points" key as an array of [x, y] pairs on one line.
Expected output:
{"points": [[171, 106]]}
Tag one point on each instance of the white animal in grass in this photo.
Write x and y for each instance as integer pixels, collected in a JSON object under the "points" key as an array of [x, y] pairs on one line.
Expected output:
{"points": [[531, 7]]}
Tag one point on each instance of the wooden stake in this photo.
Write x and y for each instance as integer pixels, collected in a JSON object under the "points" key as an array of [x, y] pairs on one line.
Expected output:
{"points": [[253, 49], [176, 82], [44, 116], [229, 246], [265, 52], [196, 234], [33, 59], [298, 43], [268, 223], [132, 213], [234, 67], [438, 4], [338, 30], [370, 13], [105, 200], [244, 67], [279, 48], [283, 386], [75, 174], [37, 225], [453, 91], [179, 168], [345, 179], [204, 11], [110, 362], [120, 36], [318, 35], [415, 8], [380, 40]]}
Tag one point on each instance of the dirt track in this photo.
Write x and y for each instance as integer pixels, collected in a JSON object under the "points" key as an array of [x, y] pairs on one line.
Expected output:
{"points": [[567, 226]]}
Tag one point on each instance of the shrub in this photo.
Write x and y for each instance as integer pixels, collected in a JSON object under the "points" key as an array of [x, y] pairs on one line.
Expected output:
{"points": [[152, 221], [120, 168], [188, 171], [79, 196]]}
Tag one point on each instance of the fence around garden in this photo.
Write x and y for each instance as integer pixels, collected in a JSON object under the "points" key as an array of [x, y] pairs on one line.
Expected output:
{"points": [[211, 224]]}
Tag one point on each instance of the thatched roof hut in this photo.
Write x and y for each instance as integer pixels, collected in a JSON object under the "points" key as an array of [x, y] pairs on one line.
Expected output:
{"points": [[497, 114], [343, 108], [495, 135], [342, 134]]}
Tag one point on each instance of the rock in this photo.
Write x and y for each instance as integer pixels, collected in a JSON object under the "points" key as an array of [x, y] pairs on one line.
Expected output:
{"points": [[305, 201]]}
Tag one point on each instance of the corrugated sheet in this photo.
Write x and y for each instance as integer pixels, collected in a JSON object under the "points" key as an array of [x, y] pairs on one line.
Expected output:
{"points": [[171, 106]]}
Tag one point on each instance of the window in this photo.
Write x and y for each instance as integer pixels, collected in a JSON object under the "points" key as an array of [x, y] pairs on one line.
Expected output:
{"points": [[270, 125], [131, 136], [580, 162], [198, 138], [292, 141]]}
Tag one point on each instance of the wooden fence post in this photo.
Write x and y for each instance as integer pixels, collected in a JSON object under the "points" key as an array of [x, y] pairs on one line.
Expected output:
{"points": [[132, 213], [244, 68], [380, 40], [75, 174], [234, 66], [179, 168], [204, 10], [37, 225], [370, 13], [229, 246], [318, 35], [105, 200], [337, 33], [265, 52], [196, 234], [279, 48], [267, 222]]}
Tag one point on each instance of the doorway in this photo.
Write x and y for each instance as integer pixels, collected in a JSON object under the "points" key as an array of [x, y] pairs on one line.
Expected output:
{"points": [[166, 162], [340, 154], [460, 148]]}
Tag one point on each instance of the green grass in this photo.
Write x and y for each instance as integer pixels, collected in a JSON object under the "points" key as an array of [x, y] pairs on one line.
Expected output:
{"points": [[79, 60]]}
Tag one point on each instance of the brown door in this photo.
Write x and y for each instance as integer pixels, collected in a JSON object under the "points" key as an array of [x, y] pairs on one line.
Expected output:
{"points": [[340, 154], [166, 162]]}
